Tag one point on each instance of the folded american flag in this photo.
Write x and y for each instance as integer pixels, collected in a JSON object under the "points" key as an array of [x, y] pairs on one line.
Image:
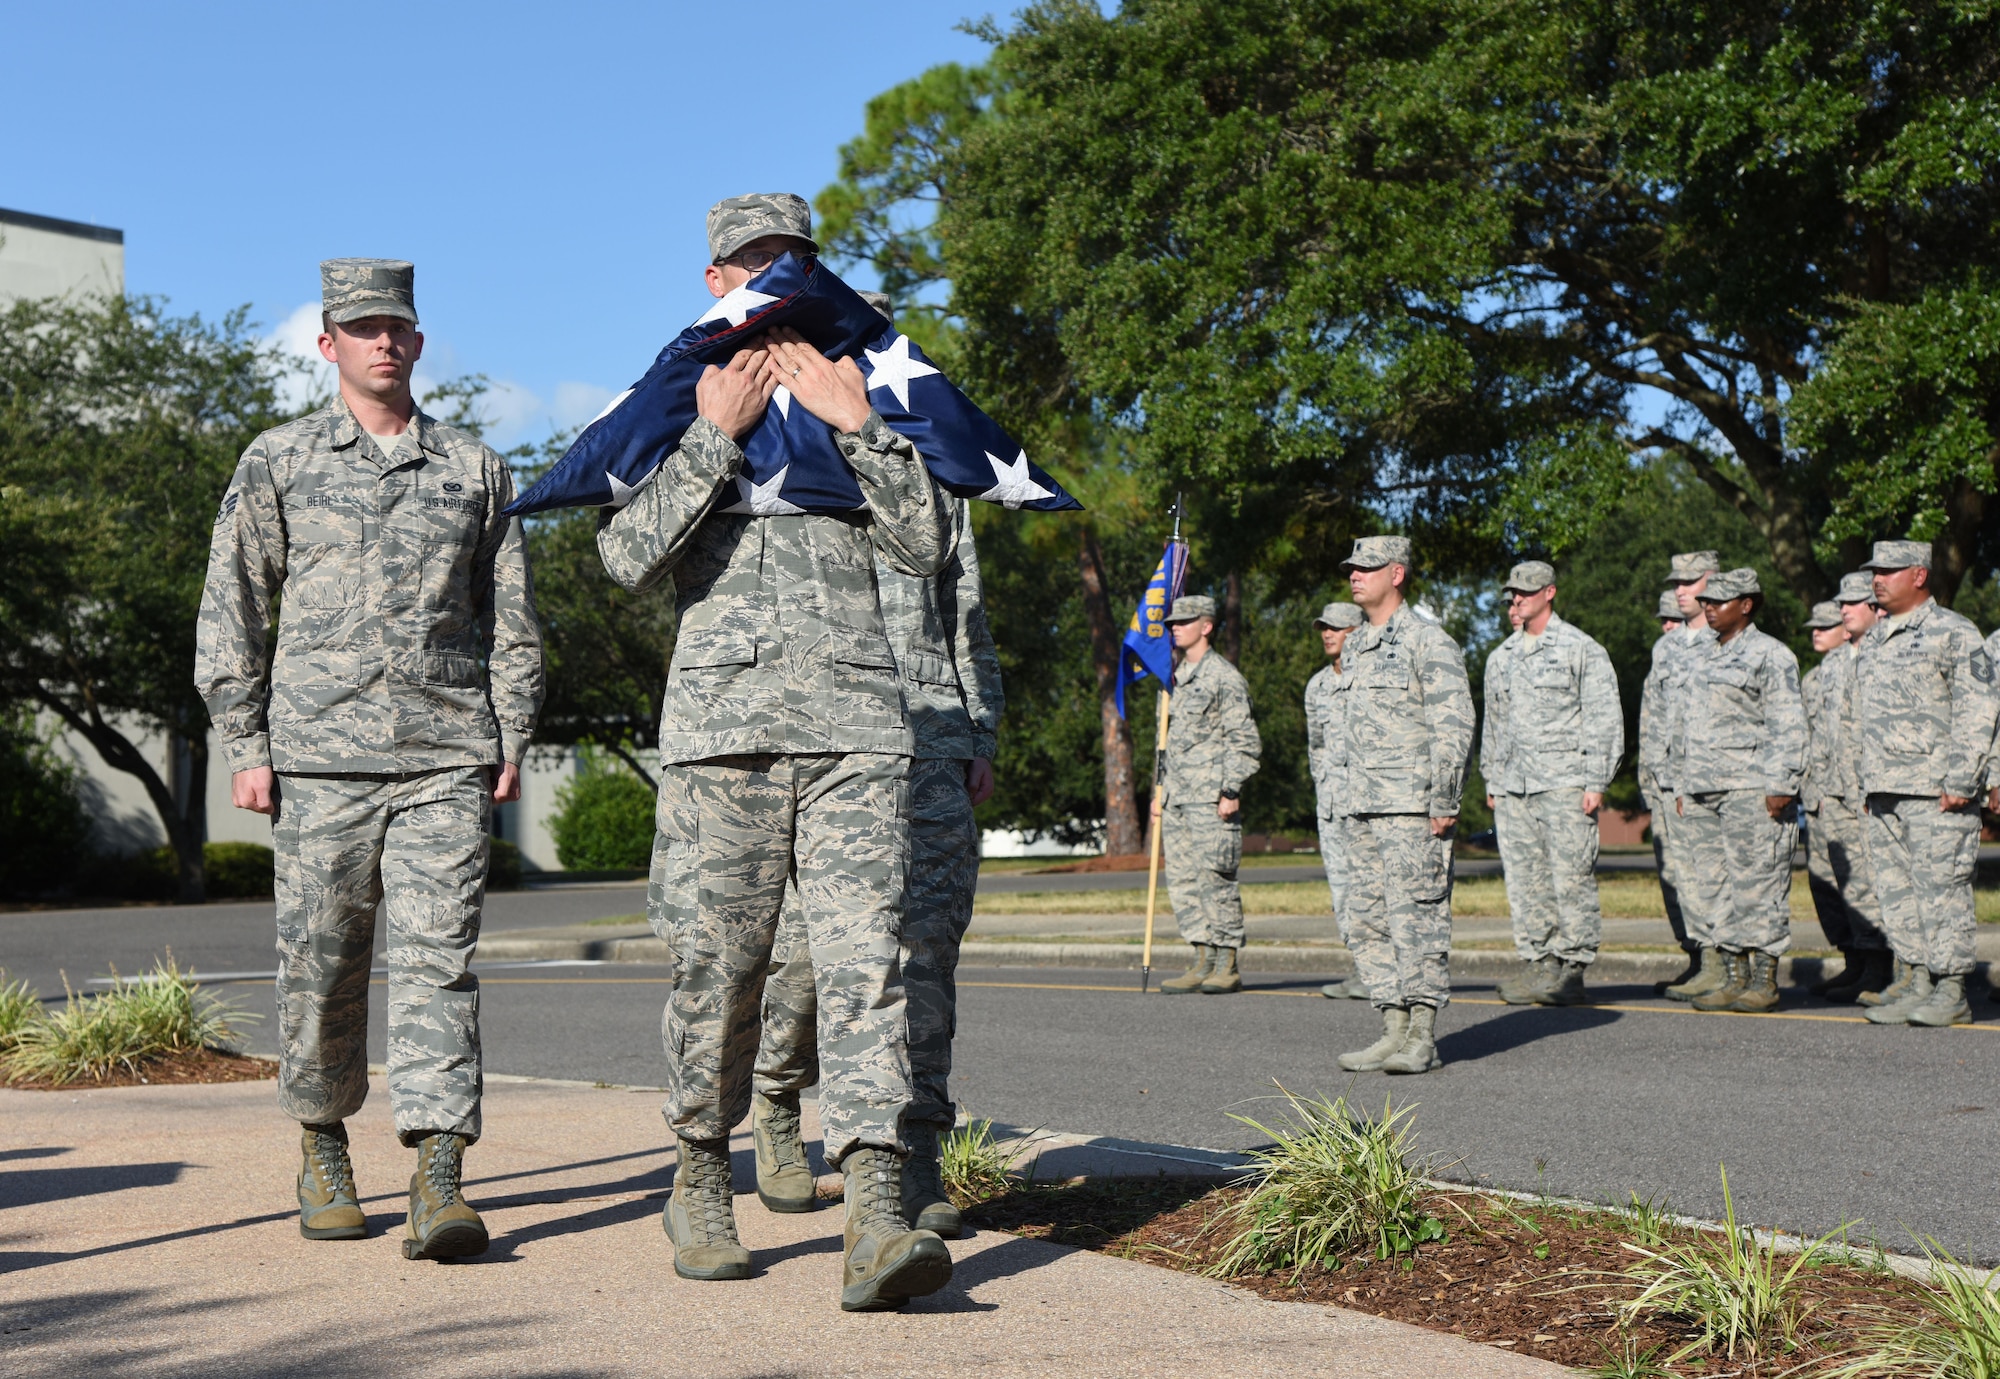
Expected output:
{"points": [[790, 463]]}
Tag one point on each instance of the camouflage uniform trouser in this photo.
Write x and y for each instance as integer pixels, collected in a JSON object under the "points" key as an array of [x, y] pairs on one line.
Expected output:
{"points": [[1689, 932], [1548, 857], [731, 833], [1737, 868], [1399, 907], [1203, 852], [1923, 859], [944, 872], [1843, 888], [416, 845]]}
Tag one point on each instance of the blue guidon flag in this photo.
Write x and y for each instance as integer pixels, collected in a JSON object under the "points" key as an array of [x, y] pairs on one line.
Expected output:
{"points": [[790, 463], [1148, 649]]}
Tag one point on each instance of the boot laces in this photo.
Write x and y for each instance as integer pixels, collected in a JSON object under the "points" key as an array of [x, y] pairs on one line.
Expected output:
{"points": [[787, 1146], [706, 1198], [878, 1199], [330, 1161], [441, 1168]]}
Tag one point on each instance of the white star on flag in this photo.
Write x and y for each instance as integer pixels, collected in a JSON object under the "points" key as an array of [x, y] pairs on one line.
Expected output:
{"points": [[1011, 484], [621, 492], [762, 500], [737, 306], [894, 369]]}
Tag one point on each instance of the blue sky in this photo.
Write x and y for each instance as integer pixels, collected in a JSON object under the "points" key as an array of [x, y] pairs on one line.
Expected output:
{"points": [[546, 168]]}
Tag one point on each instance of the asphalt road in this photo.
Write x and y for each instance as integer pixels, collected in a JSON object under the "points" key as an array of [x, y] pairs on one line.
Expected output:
{"points": [[1821, 1119]]}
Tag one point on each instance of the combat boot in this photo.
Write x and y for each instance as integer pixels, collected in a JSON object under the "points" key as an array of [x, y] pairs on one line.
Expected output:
{"points": [[1692, 970], [1346, 989], [784, 1174], [442, 1225], [1419, 1053], [1735, 975], [1760, 986], [1902, 974], [1945, 1006], [1566, 989], [1519, 988], [1711, 975], [1898, 1011], [700, 1216], [1190, 980], [1395, 1028], [926, 1205], [1850, 966], [1222, 978], [886, 1263], [328, 1206], [1864, 978]]}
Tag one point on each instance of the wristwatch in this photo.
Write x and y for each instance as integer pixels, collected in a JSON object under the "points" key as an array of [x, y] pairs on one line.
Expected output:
{"points": [[1228, 795]]}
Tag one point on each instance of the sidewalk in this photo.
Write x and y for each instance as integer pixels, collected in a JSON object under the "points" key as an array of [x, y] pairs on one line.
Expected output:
{"points": [[150, 1231]]}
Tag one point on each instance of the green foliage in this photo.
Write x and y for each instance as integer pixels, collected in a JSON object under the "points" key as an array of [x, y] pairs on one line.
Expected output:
{"points": [[973, 1166], [238, 870], [1627, 1361], [235, 871], [1331, 1182], [159, 1013], [43, 825], [20, 1006], [1958, 1337], [603, 820], [504, 872]]}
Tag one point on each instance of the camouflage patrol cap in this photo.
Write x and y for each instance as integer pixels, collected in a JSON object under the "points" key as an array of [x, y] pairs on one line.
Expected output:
{"points": [[1857, 586], [1373, 552], [736, 220], [1529, 577], [1338, 615], [1825, 615], [880, 301], [1690, 566], [1188, 607], [1725, 585], [1900, 555], [1670, 607], [350, 289]]}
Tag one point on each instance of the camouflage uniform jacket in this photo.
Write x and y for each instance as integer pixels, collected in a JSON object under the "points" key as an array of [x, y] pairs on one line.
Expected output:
{"points": [[781, 646], [1833, 757], [1742, 722], [1924, 698], [1552, 716], [1656, 724], [1212, 741], [1409, 718], [407, 638], [1326, 740], [951, 671]]}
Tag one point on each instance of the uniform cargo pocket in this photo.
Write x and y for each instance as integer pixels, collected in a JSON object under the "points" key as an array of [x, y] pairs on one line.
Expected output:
{"points": [[926, 669], [1229, 849], [452, 669]]}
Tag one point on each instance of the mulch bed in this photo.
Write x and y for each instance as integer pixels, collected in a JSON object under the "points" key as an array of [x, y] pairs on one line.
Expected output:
{"points": [[173, 1070], [1522, 1276]]}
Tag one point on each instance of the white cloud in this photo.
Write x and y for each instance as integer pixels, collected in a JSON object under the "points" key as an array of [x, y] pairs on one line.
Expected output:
{"points": [[577, 403], [297, 337]]}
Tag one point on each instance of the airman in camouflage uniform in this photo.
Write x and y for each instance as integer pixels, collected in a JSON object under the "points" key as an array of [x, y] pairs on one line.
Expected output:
{"points": [[1927, 708], [1659, 743], [1552, 738], [406, 675], [1408, 720], [785, 757], [1837, 857], [1326, 753], [1212, 748], [1740, 758], [1652, 752]]}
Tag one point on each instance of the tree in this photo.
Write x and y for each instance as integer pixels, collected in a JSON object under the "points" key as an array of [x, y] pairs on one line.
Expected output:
{"points": [[120, 427]]}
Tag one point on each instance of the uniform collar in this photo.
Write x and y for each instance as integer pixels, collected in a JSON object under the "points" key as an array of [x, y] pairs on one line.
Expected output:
{"points": [[344, 430]]}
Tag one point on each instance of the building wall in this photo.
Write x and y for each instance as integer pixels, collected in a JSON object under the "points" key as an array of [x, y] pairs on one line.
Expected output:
{"points": [[44, 257]]}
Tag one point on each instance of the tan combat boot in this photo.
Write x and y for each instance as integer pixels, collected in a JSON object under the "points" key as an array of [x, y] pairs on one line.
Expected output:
{"points": [[1223, 979], [1735, 975], [700, 1217], [1565, 989], [1713, 974], [1519, 988], [328, 1206], [926, 1205], [1946, 1005], [1688, 975], [441, 1225], [1190, 980], [1898, 1011], [1760, 986], [1902, 974], [1865, 982], [1395, 1028], [886, 1262], [1419, 1053], [784, 1174], [1346, 989]]}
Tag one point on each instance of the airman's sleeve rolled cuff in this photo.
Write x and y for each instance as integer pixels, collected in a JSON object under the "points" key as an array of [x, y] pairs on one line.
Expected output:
{"points": [[985, 746], [247, 753], [874, 433], [513, 747]]}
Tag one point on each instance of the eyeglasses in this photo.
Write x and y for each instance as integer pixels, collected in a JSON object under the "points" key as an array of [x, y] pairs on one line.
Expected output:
{"points": [[757, 260]]}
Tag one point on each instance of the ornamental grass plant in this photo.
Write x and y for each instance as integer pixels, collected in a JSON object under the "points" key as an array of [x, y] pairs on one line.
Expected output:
{"points": [[19, 1004], [155, 1015], [974, 1167], [1956, 1337]]}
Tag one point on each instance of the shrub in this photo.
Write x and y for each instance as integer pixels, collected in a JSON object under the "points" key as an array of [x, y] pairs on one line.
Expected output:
{"points": [[603, 822], [43, 824], [235, 870], [159, 1013], [504, 872]]}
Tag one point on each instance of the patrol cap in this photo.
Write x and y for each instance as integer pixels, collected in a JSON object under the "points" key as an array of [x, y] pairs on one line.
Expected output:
{"points": [[1824, 616], [1373, 552], [1530, 577], [1730, 584], [1188, 607], [1900, 555], [1338, 615], [1857, 586], [1670, 607], [880, 301], [1690, 566], [350, 289], [736, 220]]}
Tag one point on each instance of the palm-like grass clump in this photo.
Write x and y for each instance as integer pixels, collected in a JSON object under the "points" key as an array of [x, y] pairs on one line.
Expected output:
{"points": [[973, 1166], [157, 1014]]}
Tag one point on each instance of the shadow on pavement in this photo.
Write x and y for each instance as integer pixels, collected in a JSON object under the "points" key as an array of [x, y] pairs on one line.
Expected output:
{"points": [[23, 1187], [1519, 1028], [48, 1151]]}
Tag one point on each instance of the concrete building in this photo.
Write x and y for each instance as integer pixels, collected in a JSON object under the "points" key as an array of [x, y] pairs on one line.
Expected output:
{"points": [[41, 256]]}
